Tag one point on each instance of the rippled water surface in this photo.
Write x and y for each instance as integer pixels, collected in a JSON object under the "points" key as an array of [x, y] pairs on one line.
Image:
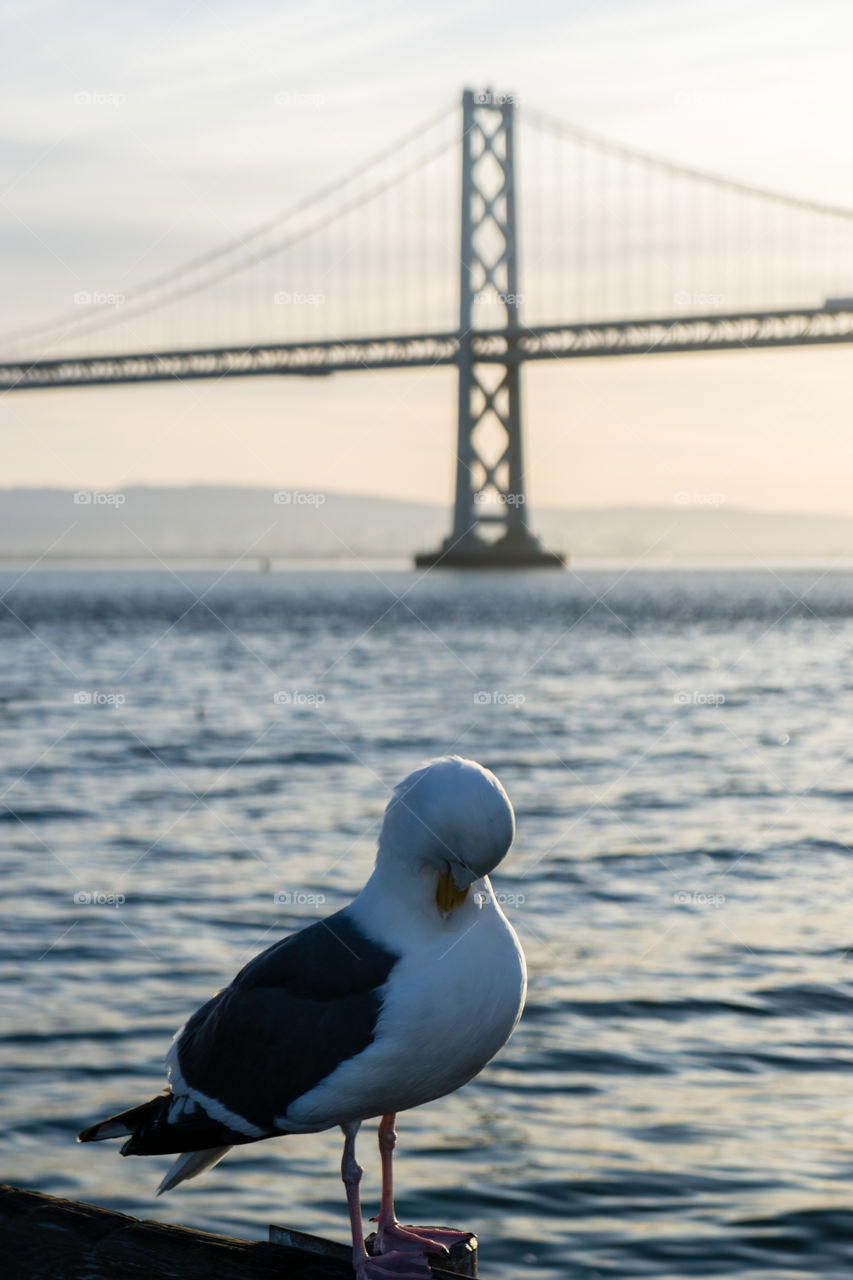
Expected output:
{"points": [[212, 755]]}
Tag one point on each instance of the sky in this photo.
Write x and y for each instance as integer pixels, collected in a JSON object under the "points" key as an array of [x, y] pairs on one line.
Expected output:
{"points": [[135, 136]]}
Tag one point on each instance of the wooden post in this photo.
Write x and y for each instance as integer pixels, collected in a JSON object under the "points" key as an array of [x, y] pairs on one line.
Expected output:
{"points": [[44, 1238]]}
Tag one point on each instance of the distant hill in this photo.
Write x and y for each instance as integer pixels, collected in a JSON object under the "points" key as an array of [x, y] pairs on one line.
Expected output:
{"points": [[210, 521]]}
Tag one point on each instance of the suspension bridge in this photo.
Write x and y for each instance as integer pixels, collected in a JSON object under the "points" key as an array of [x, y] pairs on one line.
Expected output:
{"points": [[413, 260]]}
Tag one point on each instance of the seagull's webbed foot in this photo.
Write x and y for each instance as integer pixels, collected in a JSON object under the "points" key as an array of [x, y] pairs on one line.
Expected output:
{"points": [[392, 1235], [393, 1266]]}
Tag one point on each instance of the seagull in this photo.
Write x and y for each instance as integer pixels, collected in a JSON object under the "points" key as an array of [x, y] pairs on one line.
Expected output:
{"points": [[399, 998]]}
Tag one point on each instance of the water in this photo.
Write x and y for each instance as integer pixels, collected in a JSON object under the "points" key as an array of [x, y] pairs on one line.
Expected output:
{"points": [[677, 1099]]}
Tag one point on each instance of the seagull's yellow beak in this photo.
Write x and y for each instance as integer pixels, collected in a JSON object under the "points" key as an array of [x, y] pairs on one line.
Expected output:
{"points": [[447, 896]]}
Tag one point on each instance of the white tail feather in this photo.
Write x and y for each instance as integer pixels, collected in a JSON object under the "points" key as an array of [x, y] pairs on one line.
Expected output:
{"points": [[191, 1165]]}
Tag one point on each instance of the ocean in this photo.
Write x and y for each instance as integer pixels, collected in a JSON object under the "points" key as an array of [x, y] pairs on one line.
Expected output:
{"points": [[195, 763]]}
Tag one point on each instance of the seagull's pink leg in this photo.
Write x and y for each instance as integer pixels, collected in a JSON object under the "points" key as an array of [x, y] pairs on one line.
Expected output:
{"points": [[389, 1233], [393, 1266]]}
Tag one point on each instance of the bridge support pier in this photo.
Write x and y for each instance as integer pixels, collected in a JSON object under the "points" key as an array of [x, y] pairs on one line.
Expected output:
{"points": [[490, 493]]}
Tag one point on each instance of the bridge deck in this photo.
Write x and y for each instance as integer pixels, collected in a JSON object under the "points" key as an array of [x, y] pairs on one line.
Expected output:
{"points": [[656, 336]]}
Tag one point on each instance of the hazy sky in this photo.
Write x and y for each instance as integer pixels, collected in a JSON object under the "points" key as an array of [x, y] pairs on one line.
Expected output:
{"points": [[180, 143]]}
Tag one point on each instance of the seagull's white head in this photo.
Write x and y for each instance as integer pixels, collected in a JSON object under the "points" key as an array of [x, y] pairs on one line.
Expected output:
{"points": [[452, 815]]}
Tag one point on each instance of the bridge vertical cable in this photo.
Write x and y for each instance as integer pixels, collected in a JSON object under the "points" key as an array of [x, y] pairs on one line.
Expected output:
{"points": [[341, 262], [653, 237]]}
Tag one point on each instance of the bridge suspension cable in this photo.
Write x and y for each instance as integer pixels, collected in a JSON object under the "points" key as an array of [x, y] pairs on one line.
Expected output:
{"points": [[612, 231], [203, 266], [542, 120]]}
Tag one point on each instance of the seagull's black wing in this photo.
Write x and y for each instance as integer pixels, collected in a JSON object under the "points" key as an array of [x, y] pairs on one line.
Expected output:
{"points": [[289, 1018]]}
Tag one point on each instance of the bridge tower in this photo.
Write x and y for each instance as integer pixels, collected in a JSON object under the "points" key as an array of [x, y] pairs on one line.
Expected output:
{"points": [[490, 491]]}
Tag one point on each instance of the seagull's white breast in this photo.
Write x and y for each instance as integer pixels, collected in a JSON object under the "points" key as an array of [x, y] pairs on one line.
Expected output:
{"points": [[450, 1003]]}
